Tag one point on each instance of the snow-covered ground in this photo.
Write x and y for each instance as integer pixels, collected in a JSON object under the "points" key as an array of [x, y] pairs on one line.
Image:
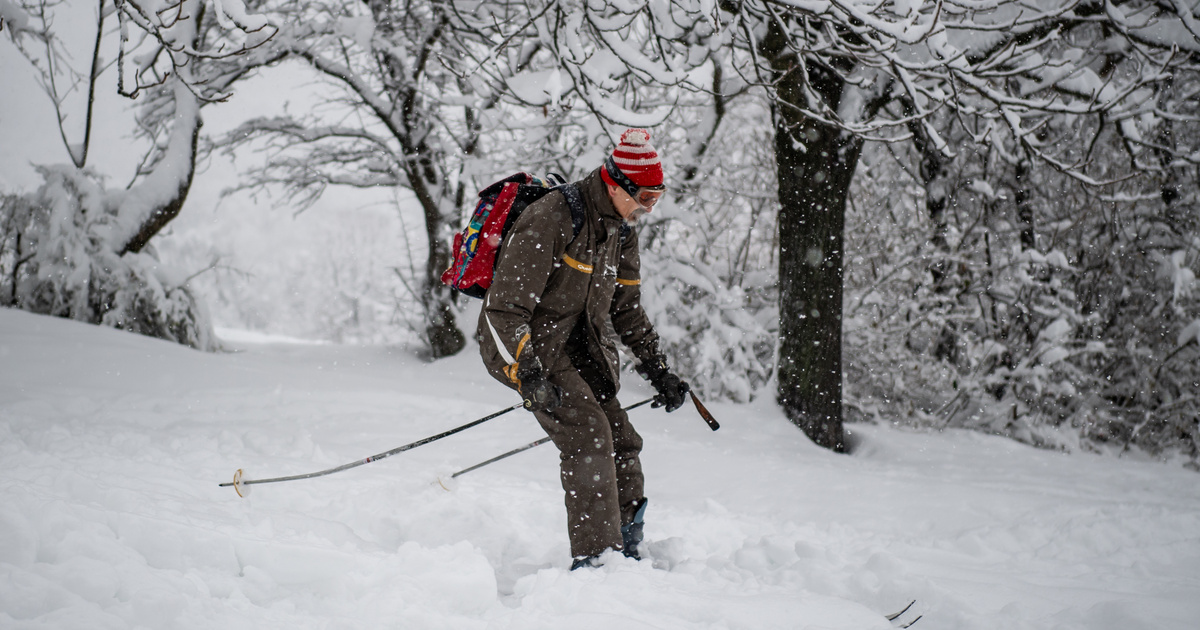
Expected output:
{"points": [[112, 446]]}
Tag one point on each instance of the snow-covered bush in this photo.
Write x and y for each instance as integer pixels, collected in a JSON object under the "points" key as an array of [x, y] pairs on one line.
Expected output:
{"points": [[718, 334], [56, 259], [1059, 314], [75, 248]]}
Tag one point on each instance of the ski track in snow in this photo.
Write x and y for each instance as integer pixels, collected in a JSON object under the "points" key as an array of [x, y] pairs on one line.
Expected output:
{"points": [[112, 445]]}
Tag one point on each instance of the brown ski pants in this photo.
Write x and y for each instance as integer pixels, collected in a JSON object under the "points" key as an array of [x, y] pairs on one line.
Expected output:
{"points": [[599, 466]]}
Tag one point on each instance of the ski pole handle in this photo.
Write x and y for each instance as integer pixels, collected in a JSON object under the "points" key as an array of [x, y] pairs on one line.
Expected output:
{"points": [[712, 422]]}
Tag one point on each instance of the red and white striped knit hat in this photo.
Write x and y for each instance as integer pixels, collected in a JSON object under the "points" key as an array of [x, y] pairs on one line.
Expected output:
{"points": [[636, 159]]}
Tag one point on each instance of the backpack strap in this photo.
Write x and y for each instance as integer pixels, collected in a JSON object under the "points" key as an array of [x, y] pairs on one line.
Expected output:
{"points": [[578, 210]]}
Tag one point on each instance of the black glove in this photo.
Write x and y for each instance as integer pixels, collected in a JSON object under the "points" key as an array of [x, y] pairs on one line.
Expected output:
{"points": [[538, 393], [671, 389]]}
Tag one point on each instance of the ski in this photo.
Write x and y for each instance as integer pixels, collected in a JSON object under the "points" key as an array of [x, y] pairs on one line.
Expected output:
{"points": [[896, 615]]}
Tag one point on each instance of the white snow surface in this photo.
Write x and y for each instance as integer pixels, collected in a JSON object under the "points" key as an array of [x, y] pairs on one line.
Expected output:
{"points": [[112, 446]]}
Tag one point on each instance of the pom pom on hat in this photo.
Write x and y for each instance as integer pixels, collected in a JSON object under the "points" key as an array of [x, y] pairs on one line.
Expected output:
{"points": [[636, 137], [637, 159]]}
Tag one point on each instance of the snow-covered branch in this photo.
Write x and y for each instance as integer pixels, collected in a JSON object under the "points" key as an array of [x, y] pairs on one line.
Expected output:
{"points": [[171, 27]]}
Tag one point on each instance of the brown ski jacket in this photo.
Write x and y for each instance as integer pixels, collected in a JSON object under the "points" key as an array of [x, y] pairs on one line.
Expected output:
{"points": [[553, 296]]}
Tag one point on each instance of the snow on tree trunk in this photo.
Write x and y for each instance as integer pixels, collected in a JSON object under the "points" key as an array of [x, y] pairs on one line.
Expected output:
{"points": [[144, 210]]}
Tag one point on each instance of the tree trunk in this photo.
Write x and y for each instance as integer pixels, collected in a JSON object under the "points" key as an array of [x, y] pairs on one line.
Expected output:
{"points": [[934, 172], [168, 186], [1024, 203], [814, 181], [441, 329], [160, 196], [935, 179], [815, 164], [445, 339], [412, 131]]}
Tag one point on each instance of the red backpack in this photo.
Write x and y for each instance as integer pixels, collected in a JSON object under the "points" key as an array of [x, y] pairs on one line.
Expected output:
{"points": [[476, 246]]}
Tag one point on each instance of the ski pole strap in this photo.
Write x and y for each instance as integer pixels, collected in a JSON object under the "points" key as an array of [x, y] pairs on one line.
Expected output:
{"points": [[368, 460]]}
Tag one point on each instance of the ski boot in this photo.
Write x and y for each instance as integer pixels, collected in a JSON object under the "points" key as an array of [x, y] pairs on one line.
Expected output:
{"points": [[631, 534], [590, 562]]}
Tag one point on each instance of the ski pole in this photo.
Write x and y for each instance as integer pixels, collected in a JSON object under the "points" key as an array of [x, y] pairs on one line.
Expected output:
{"points": [[542, 441], [700, 408], [239, 484], [531, 445], [500, 457]]}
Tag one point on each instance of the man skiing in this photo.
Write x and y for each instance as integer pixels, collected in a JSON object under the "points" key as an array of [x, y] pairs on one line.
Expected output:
{"points": [[542, 331]]}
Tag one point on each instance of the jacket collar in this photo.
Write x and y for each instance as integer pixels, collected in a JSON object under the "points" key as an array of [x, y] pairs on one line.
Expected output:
{"points": [[595, 190]]}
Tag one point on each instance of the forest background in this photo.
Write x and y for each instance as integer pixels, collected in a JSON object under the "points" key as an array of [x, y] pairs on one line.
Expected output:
{"points": [[967, 214]]}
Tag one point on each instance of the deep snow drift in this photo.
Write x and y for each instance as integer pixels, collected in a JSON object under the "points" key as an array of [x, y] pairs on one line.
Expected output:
{"points": [[112, 446]]}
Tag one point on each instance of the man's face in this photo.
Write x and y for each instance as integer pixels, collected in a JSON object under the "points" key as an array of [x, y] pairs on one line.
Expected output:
{"points": [[626, 206]]}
